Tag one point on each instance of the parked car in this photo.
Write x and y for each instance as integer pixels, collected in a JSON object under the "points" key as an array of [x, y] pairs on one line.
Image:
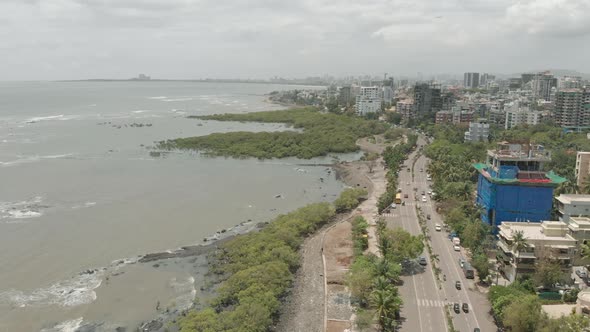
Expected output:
{"points": [[423, 193], [422, 260], [465, 307], [393, 206], [456, 308], [458, 285], [428, 216], [456, 248], [424, 199], [461, 262], [437, 228], [405, 195], [581, 272]]}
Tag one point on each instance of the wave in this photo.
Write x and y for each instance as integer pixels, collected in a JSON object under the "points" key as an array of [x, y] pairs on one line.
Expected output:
{"points": [[177, 99], [44, 118], [67, 326], [32, 159], [31, 208], [186, 292], [68, 293]]}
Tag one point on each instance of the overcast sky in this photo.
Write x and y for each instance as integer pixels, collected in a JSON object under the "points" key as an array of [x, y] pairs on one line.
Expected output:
{"points": [[74, 39]]}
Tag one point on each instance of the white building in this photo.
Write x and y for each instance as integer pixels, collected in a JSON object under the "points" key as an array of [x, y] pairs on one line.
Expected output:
{"points": [[478, 132], [572, 205], [547, 239], [368, 100], [517, 115]]}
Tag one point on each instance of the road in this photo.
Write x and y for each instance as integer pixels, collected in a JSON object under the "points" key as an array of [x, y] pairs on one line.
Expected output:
{"points": [[424, 301]]}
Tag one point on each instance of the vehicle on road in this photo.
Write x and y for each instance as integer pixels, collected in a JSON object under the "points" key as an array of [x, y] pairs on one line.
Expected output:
{"points": [[393, 205], [437, 228], [458, 285], [422, 260], [476, 329], [428, 178], [428, 216], [581, 272], [399, 190], [456, 241], [421, 170], [398, 198], [461, 262], [456, 248], [405, 195], [424, 199], [408, 169], [456, 308], [423, 193], [465, 307], [468, 271], [429, 192]]}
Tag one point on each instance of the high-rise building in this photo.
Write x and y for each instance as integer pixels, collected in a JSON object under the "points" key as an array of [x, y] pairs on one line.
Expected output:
{"points": [[368, 100], [542, 84], [479, 131], [525, 78], [517, 115], [515, 83], [582, 168], [471, 80], [345, 95], [427, 98], [447, 101], [572, 108], [570, 82], [406, 109], [512, 185]]}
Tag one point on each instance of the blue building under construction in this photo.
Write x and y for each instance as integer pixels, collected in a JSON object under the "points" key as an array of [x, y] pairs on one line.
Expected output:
{"points": [[512, 185]]}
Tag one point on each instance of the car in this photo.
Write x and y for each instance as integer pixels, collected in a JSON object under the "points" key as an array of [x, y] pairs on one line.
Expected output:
{"points": [[456, 308], [458, 285], [437, 228], [428, 216], [399, 190], [393, 205], [424, 199], [581, 272], [429, 192], [476, 329], [421, 170], [428, 178], [423, 193], [456, 248], [408, 169], [461, 262], [422, 260], [465, 307], [405, 195]]}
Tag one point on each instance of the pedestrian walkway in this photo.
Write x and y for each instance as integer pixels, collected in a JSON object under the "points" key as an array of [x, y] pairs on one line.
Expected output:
{"points": [[433, 303]]}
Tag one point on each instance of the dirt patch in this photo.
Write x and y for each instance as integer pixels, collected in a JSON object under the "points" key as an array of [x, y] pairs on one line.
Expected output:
{"points": [[338, 252], [338, 326]]}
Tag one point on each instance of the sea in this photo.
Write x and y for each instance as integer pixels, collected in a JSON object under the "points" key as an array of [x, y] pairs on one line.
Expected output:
{"points": [[82, 198]]}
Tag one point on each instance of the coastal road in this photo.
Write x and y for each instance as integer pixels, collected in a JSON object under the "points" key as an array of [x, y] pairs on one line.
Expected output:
{"points": [[424, 301]]}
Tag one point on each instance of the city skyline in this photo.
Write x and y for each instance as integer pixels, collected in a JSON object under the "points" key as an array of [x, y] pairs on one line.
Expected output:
{"points": [[185, 39]]}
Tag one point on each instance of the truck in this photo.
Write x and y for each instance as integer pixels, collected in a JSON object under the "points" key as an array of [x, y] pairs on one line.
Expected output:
{"points": [[468, 270], [456, 241]]}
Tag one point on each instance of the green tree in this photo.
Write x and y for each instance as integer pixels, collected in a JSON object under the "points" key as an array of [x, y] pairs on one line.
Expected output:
{"points": [[386, 305], [364, 319], [403, 244], [482, 265], [548, 272], [523, 314]]}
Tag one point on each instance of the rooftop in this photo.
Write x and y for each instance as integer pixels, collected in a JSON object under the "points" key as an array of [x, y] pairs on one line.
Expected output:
{"points": [[577, 224], [543, 231], [573, 198]]}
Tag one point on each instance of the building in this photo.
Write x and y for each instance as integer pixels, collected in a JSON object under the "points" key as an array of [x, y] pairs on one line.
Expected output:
{"points": [[406, 109], [572, 108], [443, 117], [515, 83], [545, 240], [471, 80], [542, 85], [572, 205], [447, 101], [512, 185], [497, 117], [582, 168], [517, 115], [368, 100], [526, 78], [427, 98], [478, 132], [570, 82], [463, 116], [345, 96]]}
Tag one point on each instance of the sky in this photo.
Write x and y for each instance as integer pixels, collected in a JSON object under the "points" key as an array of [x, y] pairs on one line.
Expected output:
{"points": [[183, 39]]}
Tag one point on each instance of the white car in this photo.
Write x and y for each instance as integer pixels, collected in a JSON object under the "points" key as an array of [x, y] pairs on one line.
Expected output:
{"points": [[424, 199], [437, 228], [429, 192], [456, 248]]}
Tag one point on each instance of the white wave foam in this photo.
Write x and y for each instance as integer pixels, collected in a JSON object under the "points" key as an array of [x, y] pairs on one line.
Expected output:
{"points": [[22, 210], [177, 99], [186, 292], [32, 159], [158, 97], [139, 111], [68, 293], [44, 118], [67, 326]]}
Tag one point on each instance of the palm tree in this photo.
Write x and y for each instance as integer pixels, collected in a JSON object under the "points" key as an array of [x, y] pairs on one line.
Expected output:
{"points": [[386, 304], [519, 243]]}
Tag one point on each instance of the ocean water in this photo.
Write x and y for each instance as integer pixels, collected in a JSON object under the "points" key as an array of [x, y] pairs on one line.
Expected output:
{"points": [[81, 198]]}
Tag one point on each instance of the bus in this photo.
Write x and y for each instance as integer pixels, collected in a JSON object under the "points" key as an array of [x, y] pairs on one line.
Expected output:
{"points": [[468, 270], [398, 198]]}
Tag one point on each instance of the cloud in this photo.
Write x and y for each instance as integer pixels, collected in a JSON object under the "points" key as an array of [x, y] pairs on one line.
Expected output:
{"points": [[54, 39]]}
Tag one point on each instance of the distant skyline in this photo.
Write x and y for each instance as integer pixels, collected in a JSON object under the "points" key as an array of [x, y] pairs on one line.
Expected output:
{"points": [[259, 39]]}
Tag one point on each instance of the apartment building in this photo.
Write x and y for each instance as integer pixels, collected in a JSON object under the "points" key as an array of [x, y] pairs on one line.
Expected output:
{"points": [[368, 100], [572, 108], [572, 205], [406, 109], [479, 131], [545, 240]]}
